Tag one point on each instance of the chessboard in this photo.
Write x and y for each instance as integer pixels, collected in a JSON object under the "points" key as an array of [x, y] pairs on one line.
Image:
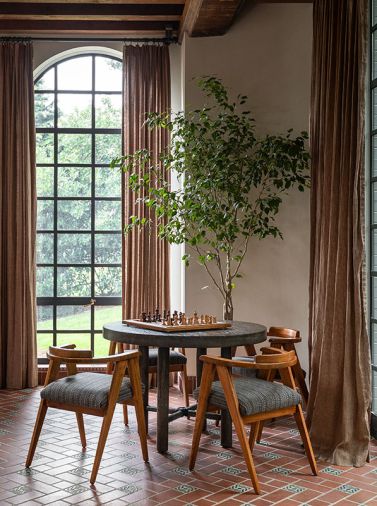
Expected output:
{"points": [[176, 322]]}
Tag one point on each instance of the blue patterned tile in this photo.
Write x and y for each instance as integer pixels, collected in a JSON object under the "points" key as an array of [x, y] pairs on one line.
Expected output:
{"points": [[76, 489], [282, 470], [348, 489], [21, 489], [231, 470], [271, 456], [181, 471], [331, 471], [185, 489], [294, 488], [129, 489], [239, 488], [224, 455]]}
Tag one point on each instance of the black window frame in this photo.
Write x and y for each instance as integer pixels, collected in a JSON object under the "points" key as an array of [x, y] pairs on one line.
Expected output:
{"points": [[93, 300]]}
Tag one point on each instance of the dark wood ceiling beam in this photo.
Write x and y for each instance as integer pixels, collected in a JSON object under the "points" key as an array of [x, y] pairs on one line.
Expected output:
{"points": [[88, 9], [203, 18]]}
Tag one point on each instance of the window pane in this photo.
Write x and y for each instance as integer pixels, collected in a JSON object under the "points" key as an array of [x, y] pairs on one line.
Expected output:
{"points": [[44, 110], [44, 318], [108, 182], [45, 148], [73, 318], [45, 248], [43, 343], [45, 181], [374, 297], [45, 281], [108, 281], [74, 215], [74, 110], [108, 146], [45, 216], [74, 248], [75, 74], [73, 281], [82, 341], [74, 182], [108, 111], [374, 203], [74, 148], [106, 314], [108, 249], [108, 74], [101, 346], [108, 215], [47, 81]]}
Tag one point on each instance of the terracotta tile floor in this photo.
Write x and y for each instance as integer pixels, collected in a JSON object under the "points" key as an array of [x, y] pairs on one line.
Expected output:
{"points": [[61, 470]]}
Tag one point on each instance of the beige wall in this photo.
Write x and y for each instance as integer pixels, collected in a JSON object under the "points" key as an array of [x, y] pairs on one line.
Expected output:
{"points": [[266, 55]]}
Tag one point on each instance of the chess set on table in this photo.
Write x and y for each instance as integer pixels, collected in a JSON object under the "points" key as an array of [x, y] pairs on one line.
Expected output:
{"points": [[176, 321]]}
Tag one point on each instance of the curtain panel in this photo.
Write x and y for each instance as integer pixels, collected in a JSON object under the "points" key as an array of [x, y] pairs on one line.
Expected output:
{"points": [[340, 389], [145, 256], [18, 202]]}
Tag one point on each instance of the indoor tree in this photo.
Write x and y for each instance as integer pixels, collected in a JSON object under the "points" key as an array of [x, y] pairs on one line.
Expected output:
{"points": [[231, 183]]}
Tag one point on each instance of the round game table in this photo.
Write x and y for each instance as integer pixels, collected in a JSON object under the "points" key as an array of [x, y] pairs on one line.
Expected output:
{"points": [[239, 334]]}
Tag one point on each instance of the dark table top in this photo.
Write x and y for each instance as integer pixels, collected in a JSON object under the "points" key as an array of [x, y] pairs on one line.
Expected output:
{"points": [[238, 334]]}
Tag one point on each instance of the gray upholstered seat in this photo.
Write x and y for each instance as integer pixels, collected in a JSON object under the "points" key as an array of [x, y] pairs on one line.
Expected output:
{"points": [[242, 371], [175, 357], [87, 389], [254, 396]]}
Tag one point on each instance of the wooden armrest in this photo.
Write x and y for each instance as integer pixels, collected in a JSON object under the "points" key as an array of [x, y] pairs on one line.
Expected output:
{"points": [[121, 357], [272, 351], [285, 340], [261, 362]]}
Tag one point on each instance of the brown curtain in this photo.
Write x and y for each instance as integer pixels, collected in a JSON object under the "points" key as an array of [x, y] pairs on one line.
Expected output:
{"points": [[340, 390], [18, 362], [145, 256]]}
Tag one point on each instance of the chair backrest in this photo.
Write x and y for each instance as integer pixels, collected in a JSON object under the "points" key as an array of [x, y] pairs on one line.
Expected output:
{"points": [[283, 332]]}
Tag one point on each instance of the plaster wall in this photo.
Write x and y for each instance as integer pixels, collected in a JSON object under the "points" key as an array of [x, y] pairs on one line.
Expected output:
{"points": [[267, 56]]}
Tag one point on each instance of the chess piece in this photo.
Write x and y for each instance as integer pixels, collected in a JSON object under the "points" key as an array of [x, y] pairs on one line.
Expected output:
{"points": [[184, 319], [211, 319], [143, 316], [149, 318], [180, 317], [206, 318], [175, 318], [201, 319], [164, 315], [190, 321], [169, 321], [195, 318], [214, 319]]}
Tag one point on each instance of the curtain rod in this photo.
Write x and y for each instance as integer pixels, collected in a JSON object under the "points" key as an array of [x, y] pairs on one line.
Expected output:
{"points": [[164, 40]]}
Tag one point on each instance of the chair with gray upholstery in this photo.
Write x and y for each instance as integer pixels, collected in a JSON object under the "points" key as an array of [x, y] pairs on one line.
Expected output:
{"points": [[177, 363], [250, 400], [91, 393]]}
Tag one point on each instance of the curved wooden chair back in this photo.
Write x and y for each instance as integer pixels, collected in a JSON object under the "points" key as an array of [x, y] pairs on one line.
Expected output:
{"points": [[267, 362]]}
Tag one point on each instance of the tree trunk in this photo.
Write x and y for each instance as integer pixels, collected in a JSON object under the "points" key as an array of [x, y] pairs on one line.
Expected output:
{"points": [[228, 307]]}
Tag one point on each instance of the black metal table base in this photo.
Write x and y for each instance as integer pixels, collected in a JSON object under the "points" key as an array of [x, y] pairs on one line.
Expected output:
{"points": [[184, 411]]}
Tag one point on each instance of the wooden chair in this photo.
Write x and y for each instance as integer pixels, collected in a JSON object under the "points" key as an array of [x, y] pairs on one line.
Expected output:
{"points": [[242, 396], [178, 361], [91, 393], [285, 339]]}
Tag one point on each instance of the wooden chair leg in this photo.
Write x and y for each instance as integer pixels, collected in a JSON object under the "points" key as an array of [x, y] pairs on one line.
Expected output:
{"points": [[205, 388], [232, 402], [254, 431], [134, 371], [300, 380], [125, 414], [102, 442], [112, 348], [36, 433], [260, 430], [185, 385], [80, 423], [301, 424]]}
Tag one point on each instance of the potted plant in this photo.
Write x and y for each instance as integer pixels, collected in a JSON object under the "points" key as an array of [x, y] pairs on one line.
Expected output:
{"points": [[231, 183]]}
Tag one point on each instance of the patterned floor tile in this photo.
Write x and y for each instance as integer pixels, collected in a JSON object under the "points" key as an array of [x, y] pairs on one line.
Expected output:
{"points": [[60, 472]]}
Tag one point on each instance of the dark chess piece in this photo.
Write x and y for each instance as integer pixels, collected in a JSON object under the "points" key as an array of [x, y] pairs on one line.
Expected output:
{"points": [[149, 318], [180, 317], [164, 315], [143, 317]]}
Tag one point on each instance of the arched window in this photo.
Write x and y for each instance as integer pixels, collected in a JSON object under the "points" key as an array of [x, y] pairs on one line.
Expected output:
{"points": [[78, 109]]}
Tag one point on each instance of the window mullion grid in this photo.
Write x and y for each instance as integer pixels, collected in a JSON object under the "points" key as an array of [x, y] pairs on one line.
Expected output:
{"points": [[55, 270], [93, 210]]}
